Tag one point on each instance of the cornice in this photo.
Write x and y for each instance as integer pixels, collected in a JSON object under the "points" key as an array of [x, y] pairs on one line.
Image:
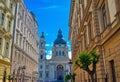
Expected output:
{"points": [[21, 50], [8, 35], [7, 10], [71, 11]]}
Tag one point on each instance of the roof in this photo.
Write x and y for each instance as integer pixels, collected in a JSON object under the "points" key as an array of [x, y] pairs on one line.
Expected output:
{"points": [[60, 39]]}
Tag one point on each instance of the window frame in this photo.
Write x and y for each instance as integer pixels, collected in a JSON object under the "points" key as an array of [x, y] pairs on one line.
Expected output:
{"points": [[2, 18], [104, 16]]}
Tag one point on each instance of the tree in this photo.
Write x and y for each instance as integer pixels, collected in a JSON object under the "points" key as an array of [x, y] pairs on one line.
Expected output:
{"points": [[70, 76], [85, 60], [10, 77]]}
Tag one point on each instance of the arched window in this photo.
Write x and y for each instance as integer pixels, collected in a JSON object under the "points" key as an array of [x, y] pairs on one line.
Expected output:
{"points": [[41, 56], [59, 52], [2, 17], [56, 52], [63, 53]]}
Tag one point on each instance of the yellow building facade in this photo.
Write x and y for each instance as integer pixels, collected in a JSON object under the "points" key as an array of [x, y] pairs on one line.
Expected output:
{"points": [[7, 8], [95, 24]]}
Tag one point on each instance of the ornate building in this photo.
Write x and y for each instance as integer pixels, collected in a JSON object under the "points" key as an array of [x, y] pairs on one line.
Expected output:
{"points": [[25, 47], [57, 67], [95, 24], [7, 10]]}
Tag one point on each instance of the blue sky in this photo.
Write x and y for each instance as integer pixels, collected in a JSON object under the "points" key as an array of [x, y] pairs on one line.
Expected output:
{"points": [[51, 15]]}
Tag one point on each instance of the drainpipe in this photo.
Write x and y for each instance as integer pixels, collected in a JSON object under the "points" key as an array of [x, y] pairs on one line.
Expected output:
{"points": [[104, 62]]}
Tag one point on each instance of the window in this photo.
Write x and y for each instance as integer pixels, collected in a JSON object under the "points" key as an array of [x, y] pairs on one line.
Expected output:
{"points": [[11, 6], [9, 25], [24, 30], [16, 38], [21, 27], [42, 44], [40, 74], [1, 19], [90, 31], [41, 56], [7, 49], [113, 71], [63, 53], [47, 66], [18, 22], [0, 44], [24, 44], [20, 41], [56, 52], [7, 45], [5, 1], [104, 16], [47, 74], [59, 52], [40, 66]]}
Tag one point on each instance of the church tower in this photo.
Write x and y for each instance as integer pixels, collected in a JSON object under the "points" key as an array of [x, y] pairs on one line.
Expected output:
{"points": [[54, 69], [42, 48], [60, 57], [60, 47], [41, 58]]}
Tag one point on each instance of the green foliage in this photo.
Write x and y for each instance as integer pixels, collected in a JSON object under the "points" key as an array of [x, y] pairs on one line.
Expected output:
{"points": [[69, 76], [10, 76], [85, 59], [94, 57]]}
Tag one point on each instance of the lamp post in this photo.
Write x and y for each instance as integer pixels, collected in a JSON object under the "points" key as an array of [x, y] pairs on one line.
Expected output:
{"points": [[23, 72], [20, 76], [70, 63], [4, 76]]}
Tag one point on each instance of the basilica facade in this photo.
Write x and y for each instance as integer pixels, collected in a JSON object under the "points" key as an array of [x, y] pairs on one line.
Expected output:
{"points": [[54, 69]]}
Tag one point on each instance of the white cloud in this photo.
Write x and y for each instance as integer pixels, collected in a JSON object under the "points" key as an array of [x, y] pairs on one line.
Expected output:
{"points": [[47, 7], [70, 55], [48, 56], [47, 45], [51, 7]]}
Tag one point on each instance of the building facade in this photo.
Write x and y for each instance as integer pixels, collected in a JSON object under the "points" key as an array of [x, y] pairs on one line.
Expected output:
{"points": [[25, 47], [7, 10], [57, 67], [95, 24]]}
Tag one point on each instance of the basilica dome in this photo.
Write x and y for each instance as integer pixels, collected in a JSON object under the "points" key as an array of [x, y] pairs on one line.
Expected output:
{"points": [[59, 39]]}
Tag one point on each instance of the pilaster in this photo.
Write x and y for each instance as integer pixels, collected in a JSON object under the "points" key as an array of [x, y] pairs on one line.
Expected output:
{"points": [[95, 21]]}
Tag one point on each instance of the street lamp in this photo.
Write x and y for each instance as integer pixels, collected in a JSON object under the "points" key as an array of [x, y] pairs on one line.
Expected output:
{"points": [[70, 63], [4, 76], [23, 73]]}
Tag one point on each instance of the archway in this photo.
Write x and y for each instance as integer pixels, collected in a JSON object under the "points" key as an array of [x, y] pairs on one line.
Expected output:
{"points": [[60, 72]]}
